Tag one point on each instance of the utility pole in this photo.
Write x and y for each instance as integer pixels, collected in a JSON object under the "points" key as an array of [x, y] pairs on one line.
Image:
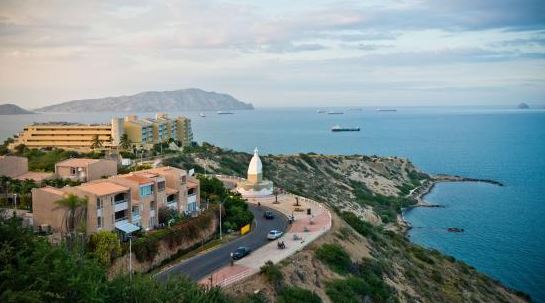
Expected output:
{"points": [[221, 236], [130, 257]]}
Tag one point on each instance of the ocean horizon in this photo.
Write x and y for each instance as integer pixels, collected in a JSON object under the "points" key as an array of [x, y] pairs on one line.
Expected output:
{"points": [[503, 226]]}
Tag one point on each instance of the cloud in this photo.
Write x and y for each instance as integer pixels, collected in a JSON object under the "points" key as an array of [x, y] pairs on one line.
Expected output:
{"points": [[113, 47]]}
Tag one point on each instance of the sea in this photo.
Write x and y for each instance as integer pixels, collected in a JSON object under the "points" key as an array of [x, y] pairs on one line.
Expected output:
{"points": [[504, 227]]}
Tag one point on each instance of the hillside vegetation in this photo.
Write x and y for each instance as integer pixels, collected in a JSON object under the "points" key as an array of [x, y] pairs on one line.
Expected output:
{"points": [[365, 257]]}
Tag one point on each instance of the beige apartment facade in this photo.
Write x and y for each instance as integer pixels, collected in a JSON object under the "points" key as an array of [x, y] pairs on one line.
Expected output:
{"points": [[147, 193], [17, 168], [84, 169], [108, 206], [12, 166], [121, 202]]}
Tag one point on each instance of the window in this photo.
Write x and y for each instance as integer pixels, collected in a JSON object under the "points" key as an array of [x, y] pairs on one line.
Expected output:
{"points": [[119, 198], [152, 205], [190, 191], [146, 190], [73, 171], [99, 203], [120, 215], [161, 186], [99, 222], [192, 207]]}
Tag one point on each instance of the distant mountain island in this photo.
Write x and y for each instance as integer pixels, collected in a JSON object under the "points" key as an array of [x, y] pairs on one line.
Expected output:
{"points": [[191, 99], [523, 106], [12, 109]]}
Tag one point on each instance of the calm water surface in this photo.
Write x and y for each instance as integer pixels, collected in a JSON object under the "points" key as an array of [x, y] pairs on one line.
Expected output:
{"points": [[504, 226]]}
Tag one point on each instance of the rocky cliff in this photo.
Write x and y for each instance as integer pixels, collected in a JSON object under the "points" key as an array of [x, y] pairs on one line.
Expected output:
{"points": [[367, 194]]}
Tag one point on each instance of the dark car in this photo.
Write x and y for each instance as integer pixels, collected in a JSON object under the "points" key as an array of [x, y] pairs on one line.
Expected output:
{"points": [[268, 215], [240, 253]]}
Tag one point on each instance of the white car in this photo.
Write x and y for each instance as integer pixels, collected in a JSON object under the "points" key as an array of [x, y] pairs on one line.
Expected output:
{"points": [[274, 234]]}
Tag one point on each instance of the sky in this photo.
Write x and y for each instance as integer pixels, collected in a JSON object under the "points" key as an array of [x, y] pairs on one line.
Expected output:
{"points": [[276, 53]]}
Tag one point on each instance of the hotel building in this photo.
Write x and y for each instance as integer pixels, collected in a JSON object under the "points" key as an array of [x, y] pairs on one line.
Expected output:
{"points": [[72, 136], [75, 136]]}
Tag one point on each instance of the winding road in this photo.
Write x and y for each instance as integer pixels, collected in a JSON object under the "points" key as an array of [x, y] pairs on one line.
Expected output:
{"points": [[202, 265]]}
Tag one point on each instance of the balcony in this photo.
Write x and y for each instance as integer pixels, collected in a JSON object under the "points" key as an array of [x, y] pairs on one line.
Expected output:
{"points": [[172, 204], [99, 212], [152, 213], [192, 198], [121, 205], [136, 218], [122, 220]]}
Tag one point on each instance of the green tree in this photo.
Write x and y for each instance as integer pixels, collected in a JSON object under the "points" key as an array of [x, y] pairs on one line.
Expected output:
{"points": [[105, 246], [20, 149], [76, 212], [124, 142], [96, 143]]}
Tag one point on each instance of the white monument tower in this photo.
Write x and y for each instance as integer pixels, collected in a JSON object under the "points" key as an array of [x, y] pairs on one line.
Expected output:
{"points": [[255, 186]]}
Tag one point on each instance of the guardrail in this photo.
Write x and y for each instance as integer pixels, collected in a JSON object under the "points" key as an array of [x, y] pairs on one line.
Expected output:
{"points": [[235, 278]]}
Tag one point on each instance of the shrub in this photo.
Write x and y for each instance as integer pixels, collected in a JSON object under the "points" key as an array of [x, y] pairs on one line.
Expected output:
{"points": [[295, 294], [147, 247], [272, 273], [105, 246], [335, 256], [366, 229]]}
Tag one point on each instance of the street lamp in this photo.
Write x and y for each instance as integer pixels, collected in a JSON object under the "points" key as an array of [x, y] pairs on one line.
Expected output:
{"points": [[15, 200]]}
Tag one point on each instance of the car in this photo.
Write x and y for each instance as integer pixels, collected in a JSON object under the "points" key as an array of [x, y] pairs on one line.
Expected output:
{"points": [[268, 215], [274, 234], [240, 253]]}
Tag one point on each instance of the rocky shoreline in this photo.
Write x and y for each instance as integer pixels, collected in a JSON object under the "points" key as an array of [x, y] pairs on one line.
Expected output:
{"points": [[427, 186]]}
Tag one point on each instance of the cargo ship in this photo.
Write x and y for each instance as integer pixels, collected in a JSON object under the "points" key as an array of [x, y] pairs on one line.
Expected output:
{"points": [[338, 128], [224, 113]]}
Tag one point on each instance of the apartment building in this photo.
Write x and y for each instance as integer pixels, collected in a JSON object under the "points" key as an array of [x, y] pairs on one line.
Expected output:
{"points": [[183, 191], [71, 136], [76, 136], [84, 169], [17, 168], [122, 202], [108, 205], [148, 194], [184, 130], [172, 126], [139, 132], [12, 166]]}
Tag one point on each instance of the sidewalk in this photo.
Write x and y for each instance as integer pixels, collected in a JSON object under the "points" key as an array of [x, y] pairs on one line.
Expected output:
{"points": [[307, 227]]}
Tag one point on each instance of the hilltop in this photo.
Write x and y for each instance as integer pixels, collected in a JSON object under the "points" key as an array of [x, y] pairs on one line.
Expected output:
{"points": [[12, 109], [191, 99], [366, 256]]}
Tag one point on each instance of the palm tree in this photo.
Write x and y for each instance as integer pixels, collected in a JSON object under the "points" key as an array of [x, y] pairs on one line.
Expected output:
{"points": [[76, 212], [124, 142], [96, 143]]}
